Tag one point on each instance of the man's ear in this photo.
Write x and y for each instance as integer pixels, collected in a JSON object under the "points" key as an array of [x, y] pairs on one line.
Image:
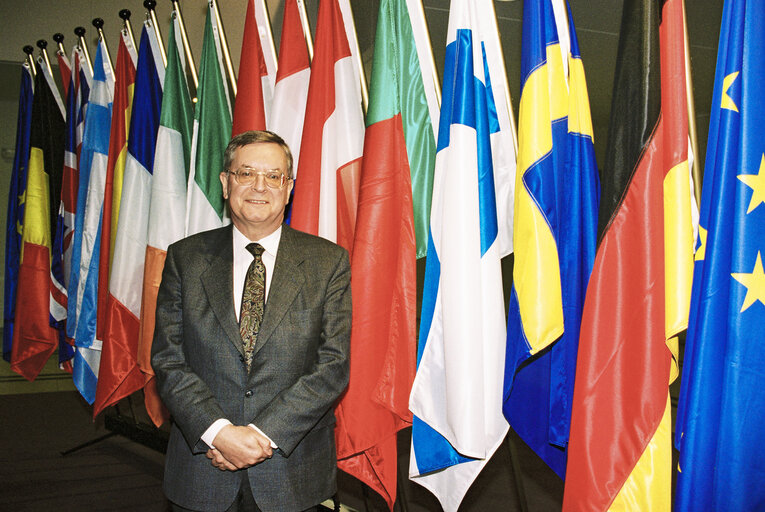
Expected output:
{"points": [[224, 183]]}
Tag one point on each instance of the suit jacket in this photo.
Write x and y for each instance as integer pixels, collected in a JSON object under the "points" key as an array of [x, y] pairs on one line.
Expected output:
{"points": [[299, 368]]}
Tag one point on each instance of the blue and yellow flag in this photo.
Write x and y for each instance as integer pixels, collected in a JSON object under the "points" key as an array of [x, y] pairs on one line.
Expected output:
{"points": [[721, 413], [556, 213]]}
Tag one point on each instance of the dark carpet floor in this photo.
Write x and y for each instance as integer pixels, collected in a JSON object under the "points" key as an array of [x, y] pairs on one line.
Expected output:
{"points": [[118, 474]]}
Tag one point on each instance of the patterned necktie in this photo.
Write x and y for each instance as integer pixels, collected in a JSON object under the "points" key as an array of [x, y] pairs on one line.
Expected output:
{"points": [[253, 302]]}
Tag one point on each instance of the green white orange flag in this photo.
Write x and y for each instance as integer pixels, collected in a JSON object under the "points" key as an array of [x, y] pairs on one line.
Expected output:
{"points": [[205, 208], [168, 205], [396, 181]]}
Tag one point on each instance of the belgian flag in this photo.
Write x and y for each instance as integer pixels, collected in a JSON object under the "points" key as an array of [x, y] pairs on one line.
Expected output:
{"points": [[34, 340]]}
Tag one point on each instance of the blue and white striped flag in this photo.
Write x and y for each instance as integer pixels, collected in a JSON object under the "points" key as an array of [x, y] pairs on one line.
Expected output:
{"points": [[95, 148], [457, 393]]}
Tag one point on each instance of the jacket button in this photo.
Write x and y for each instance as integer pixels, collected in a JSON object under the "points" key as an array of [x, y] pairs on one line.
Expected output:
{"points": [[248, 393], [241, 358]]}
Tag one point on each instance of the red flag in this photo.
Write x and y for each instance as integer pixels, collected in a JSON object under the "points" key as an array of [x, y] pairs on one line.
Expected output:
{"points": [[292, 79], [333, 137], [119, 373], [124, 76], [65, 68], [34, 340], [626, 357], [249, 108]]}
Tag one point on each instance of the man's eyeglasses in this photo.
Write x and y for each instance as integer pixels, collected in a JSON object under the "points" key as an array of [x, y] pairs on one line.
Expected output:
{"points": [[246, 176]]}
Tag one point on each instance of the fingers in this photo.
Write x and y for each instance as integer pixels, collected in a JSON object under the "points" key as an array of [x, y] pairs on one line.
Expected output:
{"points": [[239, 447], [219, 461]]}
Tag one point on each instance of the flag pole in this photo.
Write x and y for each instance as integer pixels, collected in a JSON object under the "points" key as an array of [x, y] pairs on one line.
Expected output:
{"points": [[42, 44], [270, 33], [80, 33], [186, 46], [59, 38], [697, 178], [359, 62], [513, 128], [29, 50], [431, 60], [224, 46], [306, 28], [99, 24], [150, 6], [124, 15]]}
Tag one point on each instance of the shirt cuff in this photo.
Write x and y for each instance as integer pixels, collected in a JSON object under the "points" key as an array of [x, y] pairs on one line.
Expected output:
{"points": [[209, 435], [273, 445]]}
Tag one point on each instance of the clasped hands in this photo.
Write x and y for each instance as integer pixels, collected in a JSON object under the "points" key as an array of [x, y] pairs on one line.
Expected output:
{"points": [[239, 448]]}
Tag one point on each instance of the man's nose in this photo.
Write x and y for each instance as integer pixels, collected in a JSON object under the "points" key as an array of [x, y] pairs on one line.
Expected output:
{"points": [[259, 183]]}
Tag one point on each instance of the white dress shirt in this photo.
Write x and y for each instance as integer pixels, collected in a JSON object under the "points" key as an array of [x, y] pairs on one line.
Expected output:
{"points": [[242, 260]]}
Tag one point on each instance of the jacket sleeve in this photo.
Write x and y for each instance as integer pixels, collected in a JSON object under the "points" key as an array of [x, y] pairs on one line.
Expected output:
{"points": [[187, 397], [298, 408]]}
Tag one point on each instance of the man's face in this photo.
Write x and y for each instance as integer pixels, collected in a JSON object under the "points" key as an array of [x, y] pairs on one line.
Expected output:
{"points": [[256, 209]]}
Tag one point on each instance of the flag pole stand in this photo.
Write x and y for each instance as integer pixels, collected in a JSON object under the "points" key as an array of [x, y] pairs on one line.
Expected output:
{"points": [[129, 427], [88, 443], [520, 488]]}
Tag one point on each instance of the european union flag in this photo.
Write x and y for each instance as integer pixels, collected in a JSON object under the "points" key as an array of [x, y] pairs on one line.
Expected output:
{"points": [[721, 413]]}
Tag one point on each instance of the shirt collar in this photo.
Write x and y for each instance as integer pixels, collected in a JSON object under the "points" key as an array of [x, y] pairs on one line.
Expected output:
{"points": [[270, 242]]}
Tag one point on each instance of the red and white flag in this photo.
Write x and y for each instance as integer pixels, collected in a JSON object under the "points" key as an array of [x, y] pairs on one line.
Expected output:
{"points": [[254, 91], [291, 90], [326, 193]]}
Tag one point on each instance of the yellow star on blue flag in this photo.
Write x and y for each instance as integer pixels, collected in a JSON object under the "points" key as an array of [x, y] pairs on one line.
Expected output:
{"points": [[721, 409], [754, 282], [757, 183]]}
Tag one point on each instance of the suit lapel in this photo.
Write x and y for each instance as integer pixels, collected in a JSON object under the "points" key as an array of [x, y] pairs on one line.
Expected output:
{"points": [[218, 281], [285, 285]]}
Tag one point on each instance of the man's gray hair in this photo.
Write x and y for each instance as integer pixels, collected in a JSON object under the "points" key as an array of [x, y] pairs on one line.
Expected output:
{"points": [[255, 137]]}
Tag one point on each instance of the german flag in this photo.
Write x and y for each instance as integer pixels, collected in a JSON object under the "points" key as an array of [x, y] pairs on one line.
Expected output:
{"points": [[637, 299], [34, 340]]}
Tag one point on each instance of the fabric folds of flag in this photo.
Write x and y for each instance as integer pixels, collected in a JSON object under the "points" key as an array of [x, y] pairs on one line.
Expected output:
{"points": [[61, 254], [93, 162], [326, 193], [168, 205], [292, 79], [457, 393], [627, 356], [15, 215], [399, 150], [205, 208], [721, 411], [34, 340], [556, 211], [250, 105], [120, 374], [125, 73]]}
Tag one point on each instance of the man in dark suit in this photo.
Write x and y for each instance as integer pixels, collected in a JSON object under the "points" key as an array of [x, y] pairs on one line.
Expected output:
{"points": [[253, 420]]}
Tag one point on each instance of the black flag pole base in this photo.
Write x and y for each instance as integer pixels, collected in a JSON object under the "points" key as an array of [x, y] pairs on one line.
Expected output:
{"points": [[129, 427], [88, 443]]}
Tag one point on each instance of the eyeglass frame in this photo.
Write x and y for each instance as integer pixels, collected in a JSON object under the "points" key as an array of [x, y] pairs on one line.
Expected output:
{"points": [[284, 178]]}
